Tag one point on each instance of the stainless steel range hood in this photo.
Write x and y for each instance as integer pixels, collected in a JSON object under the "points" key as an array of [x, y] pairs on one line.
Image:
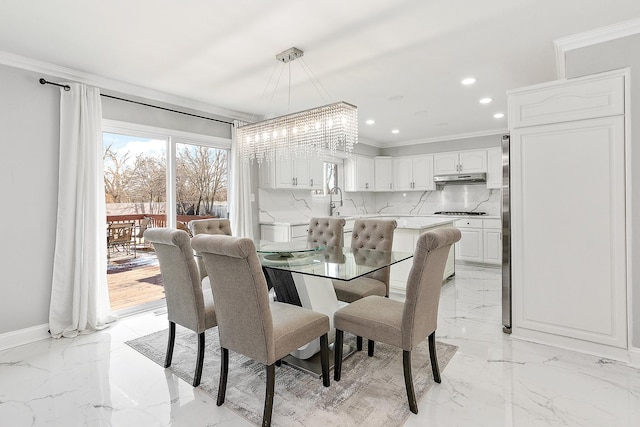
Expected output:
{"points": [[468, 178]]}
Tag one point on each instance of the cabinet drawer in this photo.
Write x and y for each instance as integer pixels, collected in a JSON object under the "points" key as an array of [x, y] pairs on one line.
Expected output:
{"points": [[469, 223], [492, 223], [299, 231]]}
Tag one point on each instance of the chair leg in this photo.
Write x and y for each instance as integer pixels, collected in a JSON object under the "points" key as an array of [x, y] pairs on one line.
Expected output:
{"points": [[279, 363], [408, 381], [172, 339], [268, 398], [200, 361], [324, 359], [337, 350], [224, 370], [434, 357], [359, 343]]}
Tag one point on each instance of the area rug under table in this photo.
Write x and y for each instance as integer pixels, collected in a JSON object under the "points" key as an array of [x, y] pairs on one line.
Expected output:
{"points": [[371, 391]]}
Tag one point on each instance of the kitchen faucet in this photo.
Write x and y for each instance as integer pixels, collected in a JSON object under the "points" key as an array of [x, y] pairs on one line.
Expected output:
{"points": [[332, 205]]}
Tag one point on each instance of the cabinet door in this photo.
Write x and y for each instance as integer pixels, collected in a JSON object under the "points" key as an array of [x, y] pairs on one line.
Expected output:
{"points": [[301, 173], [402, 173], [266, 173], [359, 173], [316, 173], [349, 165], [366, 176], [383, 170], [492, 241], [423, 173], [469, 247], [284, 177], [445, 163], [569, 260], [473, 161], [494, 168], [274, 233]]}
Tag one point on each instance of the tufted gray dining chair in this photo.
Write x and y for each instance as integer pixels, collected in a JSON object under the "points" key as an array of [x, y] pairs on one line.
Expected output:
{"points": [[326, 231], [407, 324], [247, 323], [208, 226], [368, 234], [187, 304]]}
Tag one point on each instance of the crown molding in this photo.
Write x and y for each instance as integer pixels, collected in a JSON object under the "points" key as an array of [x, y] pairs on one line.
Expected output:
{"points": [[454, 137], [30, 64], [590, 38]]}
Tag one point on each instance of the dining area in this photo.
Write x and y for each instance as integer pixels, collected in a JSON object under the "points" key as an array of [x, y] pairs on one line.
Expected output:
{"points": [[299, 308]]}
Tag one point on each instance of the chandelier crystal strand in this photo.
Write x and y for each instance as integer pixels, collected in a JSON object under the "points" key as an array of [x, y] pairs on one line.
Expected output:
{"points": [[327, 129]]}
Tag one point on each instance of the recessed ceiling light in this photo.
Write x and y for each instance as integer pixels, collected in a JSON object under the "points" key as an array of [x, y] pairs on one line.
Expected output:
{"points": [[498, 115], [468, 81], [370, 122], [395, 131], [485, 100]]}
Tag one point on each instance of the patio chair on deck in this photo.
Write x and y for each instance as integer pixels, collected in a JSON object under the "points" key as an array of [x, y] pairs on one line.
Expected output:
{"points": [[120, 235], [142, 227]]}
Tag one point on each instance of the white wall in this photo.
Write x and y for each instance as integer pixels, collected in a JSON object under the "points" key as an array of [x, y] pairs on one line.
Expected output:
{"points": [[29, 120], [616, 54]]}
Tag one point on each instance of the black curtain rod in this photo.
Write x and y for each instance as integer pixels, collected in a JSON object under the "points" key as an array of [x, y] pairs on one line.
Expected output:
{"points": [[44, 82], [68, 88]]}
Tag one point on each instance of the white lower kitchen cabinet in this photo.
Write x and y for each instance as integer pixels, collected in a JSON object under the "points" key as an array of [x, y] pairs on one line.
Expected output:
{"points": [[492, 241], [405, 240], [470, 246], [283, 232]]}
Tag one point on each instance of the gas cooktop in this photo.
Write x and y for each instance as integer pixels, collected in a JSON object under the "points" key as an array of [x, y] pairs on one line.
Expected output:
{"points": [[461, 213]]}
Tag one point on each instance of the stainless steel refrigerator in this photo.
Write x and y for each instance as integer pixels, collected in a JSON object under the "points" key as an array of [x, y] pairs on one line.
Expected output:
{"points": [[506, 237]]}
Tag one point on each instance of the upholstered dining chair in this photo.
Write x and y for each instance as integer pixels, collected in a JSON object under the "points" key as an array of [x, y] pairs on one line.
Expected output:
{"points": [[368, 234], [326, 231], [407, 324], [187, 305], [247, 322], [208, 226]]}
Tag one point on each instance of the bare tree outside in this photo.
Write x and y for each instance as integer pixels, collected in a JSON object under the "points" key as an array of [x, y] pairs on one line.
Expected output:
{"points": [[135, 177], [201, 179]]}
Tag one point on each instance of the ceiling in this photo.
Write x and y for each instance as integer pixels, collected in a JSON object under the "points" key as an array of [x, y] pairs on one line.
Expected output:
{"points": [[400, 62]]}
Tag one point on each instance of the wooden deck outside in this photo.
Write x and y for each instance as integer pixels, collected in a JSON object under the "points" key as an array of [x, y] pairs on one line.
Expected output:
{"points": [[134, 280]]}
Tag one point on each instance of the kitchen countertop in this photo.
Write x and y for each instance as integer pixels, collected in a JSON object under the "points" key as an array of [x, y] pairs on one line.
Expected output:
{"points": [[415, 221]]}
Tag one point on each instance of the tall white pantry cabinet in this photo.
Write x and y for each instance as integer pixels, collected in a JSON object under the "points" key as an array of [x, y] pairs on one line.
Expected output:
{"points": [[569, 271]]}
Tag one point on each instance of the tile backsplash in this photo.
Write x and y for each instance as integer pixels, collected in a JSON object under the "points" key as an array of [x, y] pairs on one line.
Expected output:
{"points": [[300, 205]]}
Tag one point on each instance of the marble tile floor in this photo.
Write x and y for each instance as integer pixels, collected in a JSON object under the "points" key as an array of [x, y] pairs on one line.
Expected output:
{"points": [[97, 380]]}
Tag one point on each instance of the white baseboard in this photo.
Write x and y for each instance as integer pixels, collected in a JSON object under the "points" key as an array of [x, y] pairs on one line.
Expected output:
{"points": [[634, 357], [580, 346], [24, 336]]}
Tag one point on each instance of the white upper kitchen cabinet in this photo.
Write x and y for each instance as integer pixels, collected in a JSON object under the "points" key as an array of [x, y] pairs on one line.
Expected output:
{"points": [[359, 173], [494, 168], [292, 173], [383, 168], [285, 173], [413, 173], [455, 162], [316, 173], [568, 181]]}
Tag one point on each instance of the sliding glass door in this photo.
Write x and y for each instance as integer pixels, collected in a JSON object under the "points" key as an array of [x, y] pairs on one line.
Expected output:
{"points": [[155, 179]]}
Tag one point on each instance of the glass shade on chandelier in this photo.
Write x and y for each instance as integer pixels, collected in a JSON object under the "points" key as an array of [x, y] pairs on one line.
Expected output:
{"points": [[320, 130]]}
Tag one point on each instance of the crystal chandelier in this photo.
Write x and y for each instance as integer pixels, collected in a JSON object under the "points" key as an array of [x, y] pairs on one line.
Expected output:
{"points": [[321, 130]]}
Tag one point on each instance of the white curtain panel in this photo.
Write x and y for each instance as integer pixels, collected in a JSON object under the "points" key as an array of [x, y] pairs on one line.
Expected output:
{"points": [[241, 213], [79, 294]]}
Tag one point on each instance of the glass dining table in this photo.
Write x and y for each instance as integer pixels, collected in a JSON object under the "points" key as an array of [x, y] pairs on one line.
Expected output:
{"points": [[301, 273]]}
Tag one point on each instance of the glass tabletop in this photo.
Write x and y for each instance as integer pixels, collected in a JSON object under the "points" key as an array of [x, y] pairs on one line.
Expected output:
{"points": [[332, 262], [278, 250]]}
